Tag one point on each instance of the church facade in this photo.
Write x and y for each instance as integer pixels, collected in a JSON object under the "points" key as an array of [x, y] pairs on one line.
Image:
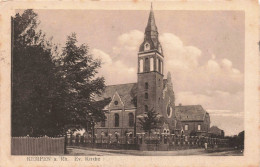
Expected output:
{"points": [[151, 92]]}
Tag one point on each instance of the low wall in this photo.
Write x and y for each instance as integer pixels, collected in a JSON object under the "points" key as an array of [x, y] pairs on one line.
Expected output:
{"points": [[154, 143]]}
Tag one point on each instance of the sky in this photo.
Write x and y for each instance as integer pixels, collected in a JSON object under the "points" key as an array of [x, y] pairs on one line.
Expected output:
{"points": [[203, 50]]}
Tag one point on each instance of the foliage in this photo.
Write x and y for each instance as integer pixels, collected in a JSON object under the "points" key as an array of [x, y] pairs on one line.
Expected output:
{"points": [[50, 94], [193, 133], [78, 70], [237, 140], [149, 122], [33, 78]]}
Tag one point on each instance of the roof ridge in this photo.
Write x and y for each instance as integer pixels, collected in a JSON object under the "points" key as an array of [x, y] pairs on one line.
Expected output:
{"points": [[122, 84]]}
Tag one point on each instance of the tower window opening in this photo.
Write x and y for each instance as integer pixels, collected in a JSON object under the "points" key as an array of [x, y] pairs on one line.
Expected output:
{"points": [[146, 64], [151, 64], [147, 46], [157, 65], [146, 95], [146, 108], [146, 85], [159, 68], [141, 66]]}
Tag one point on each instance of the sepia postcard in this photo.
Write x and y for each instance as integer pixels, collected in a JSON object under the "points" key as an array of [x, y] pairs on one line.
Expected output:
{"points": [[129, 83]]}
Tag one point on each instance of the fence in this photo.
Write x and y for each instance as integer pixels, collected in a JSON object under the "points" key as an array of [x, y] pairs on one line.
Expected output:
{"points": [[37, 146], [143, 142]]}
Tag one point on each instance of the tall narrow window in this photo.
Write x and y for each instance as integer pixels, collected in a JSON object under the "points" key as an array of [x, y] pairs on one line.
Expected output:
{"points": [[141, 67], [131, 119], [103, 123], [146, 85], [159, 68], [146, 65], [151, 64], [199, 127], [157, 65], [186, 127], [146, 95], [146, 108], [116, 120]]}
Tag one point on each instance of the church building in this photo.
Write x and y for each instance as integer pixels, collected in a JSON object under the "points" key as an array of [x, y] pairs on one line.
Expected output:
{"points": [[151, 92]]}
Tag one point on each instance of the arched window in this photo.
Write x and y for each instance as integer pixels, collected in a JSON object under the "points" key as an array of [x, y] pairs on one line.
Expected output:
{"points": [[131, 119], [141, 67], [146, 65], [146, 108], [151, 64], [146, 95], [169, 111], [146, 85], [116, 120], [199, 127], [147, 46], [103, 123], [157, 64]]}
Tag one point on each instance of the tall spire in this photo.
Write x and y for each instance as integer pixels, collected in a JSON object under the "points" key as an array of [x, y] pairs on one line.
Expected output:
{"points": [[151, 26], [151, 40]]}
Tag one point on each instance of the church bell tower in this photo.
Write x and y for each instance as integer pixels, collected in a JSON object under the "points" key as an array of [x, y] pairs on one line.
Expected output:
{"points": [[150, 70]]}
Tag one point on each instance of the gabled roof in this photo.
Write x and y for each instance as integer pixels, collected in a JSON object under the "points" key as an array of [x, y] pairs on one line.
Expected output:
{"points": [[126, 92], [190, 113]]}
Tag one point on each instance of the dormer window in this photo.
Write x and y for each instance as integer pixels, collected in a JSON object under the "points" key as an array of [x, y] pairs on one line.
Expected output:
{"points": [[147, 46]]}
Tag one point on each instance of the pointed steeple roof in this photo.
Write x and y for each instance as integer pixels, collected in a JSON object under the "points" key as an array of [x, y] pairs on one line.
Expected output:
{"points": [[151, 26], [151, 35]]}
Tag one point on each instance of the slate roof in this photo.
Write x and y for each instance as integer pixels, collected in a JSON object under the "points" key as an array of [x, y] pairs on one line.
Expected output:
{"points": [[127, 92], [151, 34], [190, 113]]}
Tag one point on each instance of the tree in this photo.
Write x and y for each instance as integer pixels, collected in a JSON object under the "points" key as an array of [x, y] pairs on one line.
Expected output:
{"points": [[149, 122], [33, 77], [79, 69], [241, 138], [51, 92]]}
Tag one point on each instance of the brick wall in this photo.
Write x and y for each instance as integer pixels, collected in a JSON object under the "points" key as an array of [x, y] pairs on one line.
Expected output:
{"points": [[110, 123], [193, 126]]}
